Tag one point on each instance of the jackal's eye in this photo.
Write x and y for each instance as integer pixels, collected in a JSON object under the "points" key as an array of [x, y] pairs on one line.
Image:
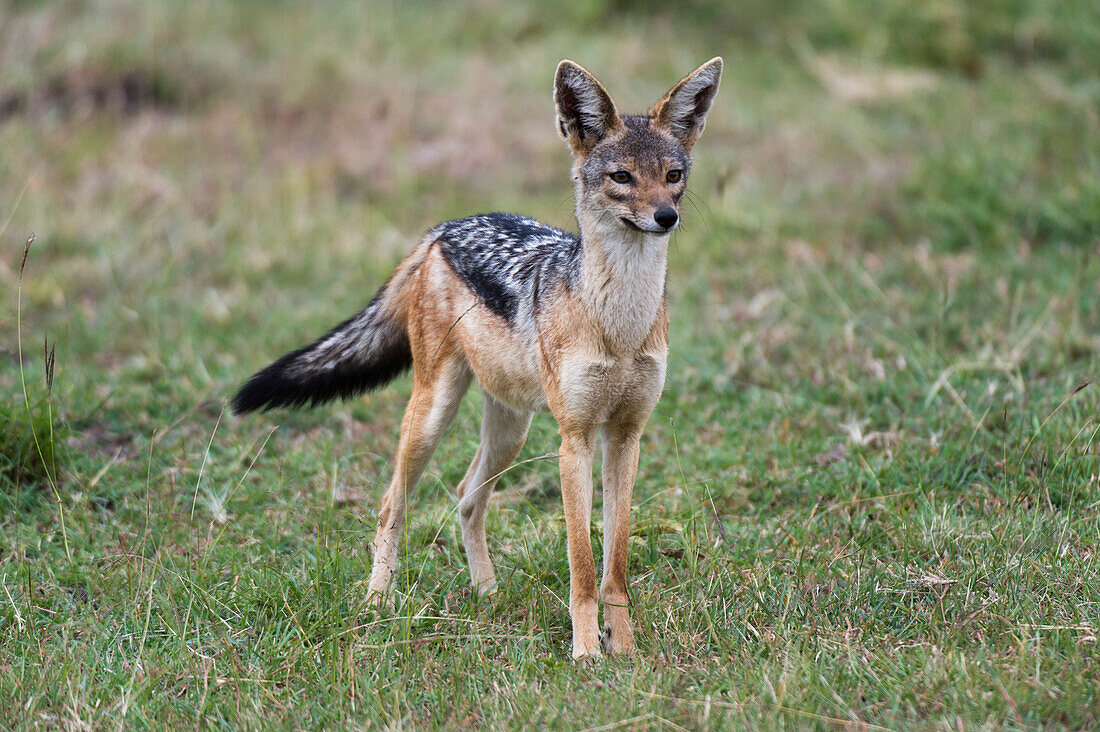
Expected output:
{"points": [[620, 176], [674, 176]]}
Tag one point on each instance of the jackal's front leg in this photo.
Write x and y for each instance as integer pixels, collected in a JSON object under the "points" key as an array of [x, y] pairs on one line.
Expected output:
{"points": [[575, 461], [620, 465]]}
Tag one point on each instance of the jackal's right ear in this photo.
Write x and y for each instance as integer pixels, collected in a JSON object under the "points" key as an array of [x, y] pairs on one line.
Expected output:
{"points": [[586, 113]]}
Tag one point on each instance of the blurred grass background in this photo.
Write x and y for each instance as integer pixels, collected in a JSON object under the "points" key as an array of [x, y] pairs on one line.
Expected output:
{"points": [[869, 494]]}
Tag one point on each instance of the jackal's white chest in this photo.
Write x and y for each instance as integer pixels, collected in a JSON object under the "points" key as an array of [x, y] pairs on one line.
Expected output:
{"points": [[623, 283], [603, 389]]}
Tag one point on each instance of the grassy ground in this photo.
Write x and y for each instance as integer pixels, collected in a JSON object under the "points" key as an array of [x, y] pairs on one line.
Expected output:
{"points": [[869, 496]]}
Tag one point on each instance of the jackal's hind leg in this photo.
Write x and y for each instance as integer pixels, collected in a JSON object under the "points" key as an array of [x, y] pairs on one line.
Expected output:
{"points": [[431, 410], [503, 432]]}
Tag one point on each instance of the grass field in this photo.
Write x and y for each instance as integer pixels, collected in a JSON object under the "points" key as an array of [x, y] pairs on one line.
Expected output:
{"points": [[869, 497]]}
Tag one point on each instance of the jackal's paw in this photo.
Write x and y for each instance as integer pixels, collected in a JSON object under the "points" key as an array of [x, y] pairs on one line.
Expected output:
{"points": [[380, 600], [486, 588], [619, 642], [588, 657], [586, 653]]}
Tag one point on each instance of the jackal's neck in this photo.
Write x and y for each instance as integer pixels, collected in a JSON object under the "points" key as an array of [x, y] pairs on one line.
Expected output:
{"points": [[622, 278]]}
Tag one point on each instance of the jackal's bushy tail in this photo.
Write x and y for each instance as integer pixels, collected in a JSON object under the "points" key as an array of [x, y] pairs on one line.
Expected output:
{"points": [[364, 352]]}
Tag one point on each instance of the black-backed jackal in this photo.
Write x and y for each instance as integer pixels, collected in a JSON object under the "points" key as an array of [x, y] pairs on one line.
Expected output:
{"points": [[543, 319]]}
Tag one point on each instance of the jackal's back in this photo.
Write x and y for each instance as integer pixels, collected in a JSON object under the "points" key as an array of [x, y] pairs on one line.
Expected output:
{"points": [[507, 259]]}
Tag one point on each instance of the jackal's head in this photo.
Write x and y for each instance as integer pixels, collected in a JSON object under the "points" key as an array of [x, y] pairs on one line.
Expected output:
{"points": [[632, 170]]}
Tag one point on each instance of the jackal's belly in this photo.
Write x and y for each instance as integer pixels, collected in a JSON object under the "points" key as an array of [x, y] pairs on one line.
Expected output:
{"points": [[503, 359]]}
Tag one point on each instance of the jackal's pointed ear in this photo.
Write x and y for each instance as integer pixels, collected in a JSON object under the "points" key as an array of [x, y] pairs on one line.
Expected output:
{"points": [[683, 111], [586, 113]]}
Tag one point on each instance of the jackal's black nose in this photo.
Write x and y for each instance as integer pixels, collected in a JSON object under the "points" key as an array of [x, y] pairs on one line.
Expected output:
{"points": [[666, 217]]}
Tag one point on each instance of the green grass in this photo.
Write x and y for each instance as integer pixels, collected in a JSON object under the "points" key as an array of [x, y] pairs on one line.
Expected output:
{"points": [[870, 495]]}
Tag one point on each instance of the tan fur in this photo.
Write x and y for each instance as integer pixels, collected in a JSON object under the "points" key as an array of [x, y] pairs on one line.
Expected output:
{"points": [[595, 358]]}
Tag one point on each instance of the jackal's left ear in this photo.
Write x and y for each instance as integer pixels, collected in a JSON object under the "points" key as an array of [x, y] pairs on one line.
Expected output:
{"points": [[586, 113], [683, 111]]}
